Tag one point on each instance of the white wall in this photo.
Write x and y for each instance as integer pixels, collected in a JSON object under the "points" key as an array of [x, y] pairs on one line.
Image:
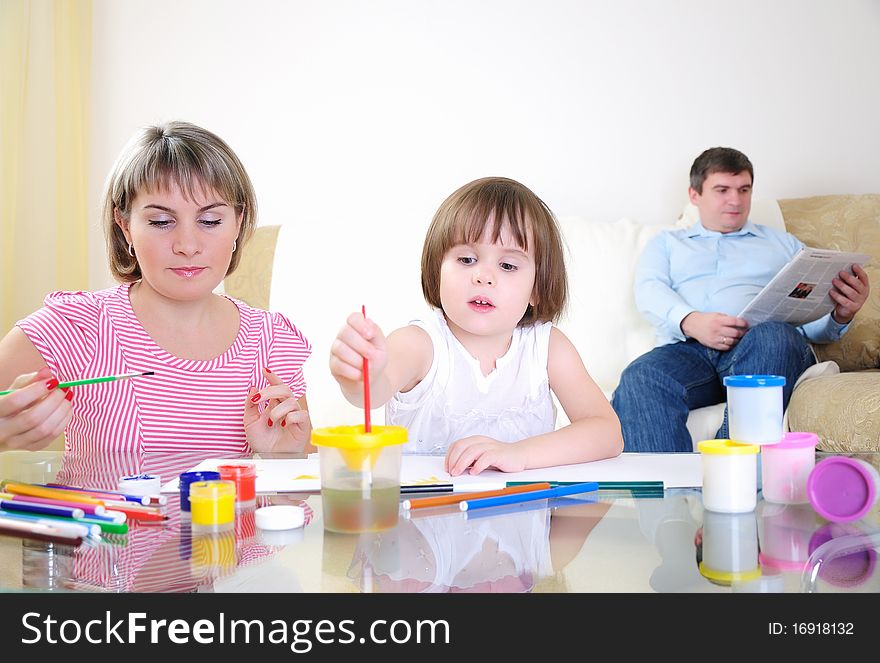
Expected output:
{"points": [[355, 119]]}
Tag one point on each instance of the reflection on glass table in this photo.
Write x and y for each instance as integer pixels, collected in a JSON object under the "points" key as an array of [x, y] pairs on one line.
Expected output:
{"points": [[605, 542]]}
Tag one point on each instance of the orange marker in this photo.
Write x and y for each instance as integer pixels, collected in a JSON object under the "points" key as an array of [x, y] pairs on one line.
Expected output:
{"points": [[460, 497], [49, 493]]}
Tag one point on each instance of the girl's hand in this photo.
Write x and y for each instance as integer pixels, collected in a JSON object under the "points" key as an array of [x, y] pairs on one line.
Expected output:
{"points": [[360, 338], [36, 414], [283, 425], [479, 453]]}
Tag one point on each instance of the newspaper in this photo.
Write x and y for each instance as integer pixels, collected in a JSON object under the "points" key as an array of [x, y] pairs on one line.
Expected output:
{"points": [[799, 292]]}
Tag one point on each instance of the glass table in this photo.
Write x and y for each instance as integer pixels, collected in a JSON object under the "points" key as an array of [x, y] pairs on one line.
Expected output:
{"points": [[601, 542]]}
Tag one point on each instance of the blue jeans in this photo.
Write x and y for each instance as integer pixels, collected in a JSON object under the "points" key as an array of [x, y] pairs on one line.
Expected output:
{"points": [[659, 389]]}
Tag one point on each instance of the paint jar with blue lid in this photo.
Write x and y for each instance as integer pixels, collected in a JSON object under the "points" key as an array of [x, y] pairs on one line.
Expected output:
{"points": [[754, 408], [186, 479]]}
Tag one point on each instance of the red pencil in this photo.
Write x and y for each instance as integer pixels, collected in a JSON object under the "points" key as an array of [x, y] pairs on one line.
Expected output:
{"points": [[368, 428]]}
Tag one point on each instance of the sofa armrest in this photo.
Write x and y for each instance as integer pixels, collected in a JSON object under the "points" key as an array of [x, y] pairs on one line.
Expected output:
{"points": [[859, 348]]}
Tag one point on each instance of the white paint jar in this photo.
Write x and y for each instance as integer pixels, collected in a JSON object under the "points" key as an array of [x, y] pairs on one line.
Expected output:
{"points": [[730, 476], [785, 467], [754, 408]]}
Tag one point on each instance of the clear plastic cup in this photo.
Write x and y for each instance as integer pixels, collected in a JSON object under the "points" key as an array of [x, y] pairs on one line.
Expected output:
{"points": [[360, 476]]}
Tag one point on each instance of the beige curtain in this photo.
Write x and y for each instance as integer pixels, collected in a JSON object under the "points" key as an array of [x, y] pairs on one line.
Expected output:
{"points": [[45, 61]]}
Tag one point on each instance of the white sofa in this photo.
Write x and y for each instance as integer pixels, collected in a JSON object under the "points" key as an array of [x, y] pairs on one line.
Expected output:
{"points": [[601, 319]]}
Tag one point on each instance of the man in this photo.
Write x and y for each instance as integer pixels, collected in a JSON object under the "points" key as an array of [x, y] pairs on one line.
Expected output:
{"points": [[690, 284]]}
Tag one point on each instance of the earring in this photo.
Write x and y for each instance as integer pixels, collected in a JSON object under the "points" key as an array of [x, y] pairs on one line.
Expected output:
{"points": [[130, 251], [234, 245]]}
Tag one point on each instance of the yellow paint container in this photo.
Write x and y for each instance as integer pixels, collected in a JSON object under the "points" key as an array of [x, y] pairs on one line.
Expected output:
{"points": [[212, 505]]}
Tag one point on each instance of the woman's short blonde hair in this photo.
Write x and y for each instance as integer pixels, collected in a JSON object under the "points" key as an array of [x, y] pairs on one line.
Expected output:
{"points": [[188, 156], [462, 219]]}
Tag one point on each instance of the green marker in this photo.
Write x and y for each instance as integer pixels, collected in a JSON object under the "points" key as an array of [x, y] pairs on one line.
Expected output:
{"points": [[77, 383]]}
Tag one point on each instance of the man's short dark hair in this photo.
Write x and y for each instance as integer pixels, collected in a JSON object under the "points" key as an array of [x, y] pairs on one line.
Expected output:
{"points": [[719, 160]]}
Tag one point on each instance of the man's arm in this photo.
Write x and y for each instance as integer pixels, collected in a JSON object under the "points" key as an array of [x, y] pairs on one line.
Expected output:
{"points": [[655, 299], [670, 313]]}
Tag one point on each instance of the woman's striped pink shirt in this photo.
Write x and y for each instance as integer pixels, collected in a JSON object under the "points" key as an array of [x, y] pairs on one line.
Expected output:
{"points": [[188, 404]]}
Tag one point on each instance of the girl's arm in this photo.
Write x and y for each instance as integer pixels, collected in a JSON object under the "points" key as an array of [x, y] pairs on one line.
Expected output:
{"points": [[397, 364], [593, 434]]}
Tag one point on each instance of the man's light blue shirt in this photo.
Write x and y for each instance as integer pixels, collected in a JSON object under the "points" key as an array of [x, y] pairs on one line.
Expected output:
{"points": [[696, 269]]}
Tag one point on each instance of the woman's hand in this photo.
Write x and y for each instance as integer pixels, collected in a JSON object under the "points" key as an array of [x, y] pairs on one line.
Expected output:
{"points": [[283, 425], [34, 415], [478, 452]]}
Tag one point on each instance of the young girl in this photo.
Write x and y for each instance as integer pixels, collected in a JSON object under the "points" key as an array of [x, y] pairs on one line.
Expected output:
{"points": [[474, 380], [178, 209]]}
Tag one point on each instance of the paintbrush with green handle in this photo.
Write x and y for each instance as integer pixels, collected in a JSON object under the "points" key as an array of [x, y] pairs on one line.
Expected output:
{"points": [[105, 378]]}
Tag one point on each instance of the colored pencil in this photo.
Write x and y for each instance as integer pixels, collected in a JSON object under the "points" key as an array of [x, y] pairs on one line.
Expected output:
{"points": [[105, 378], [559, 491], [368, 427], [454, 499], [470, 487], [604, 485]]}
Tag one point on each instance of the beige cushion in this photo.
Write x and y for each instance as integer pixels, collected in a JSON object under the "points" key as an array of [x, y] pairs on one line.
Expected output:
{"points": [[845, 223], [844, 410], [251, 282]]}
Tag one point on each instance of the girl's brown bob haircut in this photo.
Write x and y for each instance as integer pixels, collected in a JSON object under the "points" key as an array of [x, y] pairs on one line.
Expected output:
{"points": [[194, 159], [462, 219]]}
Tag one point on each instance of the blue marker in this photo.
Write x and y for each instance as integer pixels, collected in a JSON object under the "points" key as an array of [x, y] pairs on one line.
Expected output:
{"points": [[516, 498]]}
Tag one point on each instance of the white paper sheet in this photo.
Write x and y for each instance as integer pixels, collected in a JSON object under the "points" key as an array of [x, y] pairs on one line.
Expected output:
{"points": [[286, 475]]}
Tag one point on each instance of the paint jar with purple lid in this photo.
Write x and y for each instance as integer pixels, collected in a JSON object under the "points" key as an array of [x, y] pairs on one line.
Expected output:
{"points": [[842, 489], [786, 466], [841, 555]]}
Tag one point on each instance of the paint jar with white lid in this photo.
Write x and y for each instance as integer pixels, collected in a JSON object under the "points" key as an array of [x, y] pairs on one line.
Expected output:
{"points": [[730, 476]]}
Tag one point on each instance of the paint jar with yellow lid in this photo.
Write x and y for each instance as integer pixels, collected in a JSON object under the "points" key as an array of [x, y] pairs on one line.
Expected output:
{"points": [[212, 504], [730, 475], [360, 476]]}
